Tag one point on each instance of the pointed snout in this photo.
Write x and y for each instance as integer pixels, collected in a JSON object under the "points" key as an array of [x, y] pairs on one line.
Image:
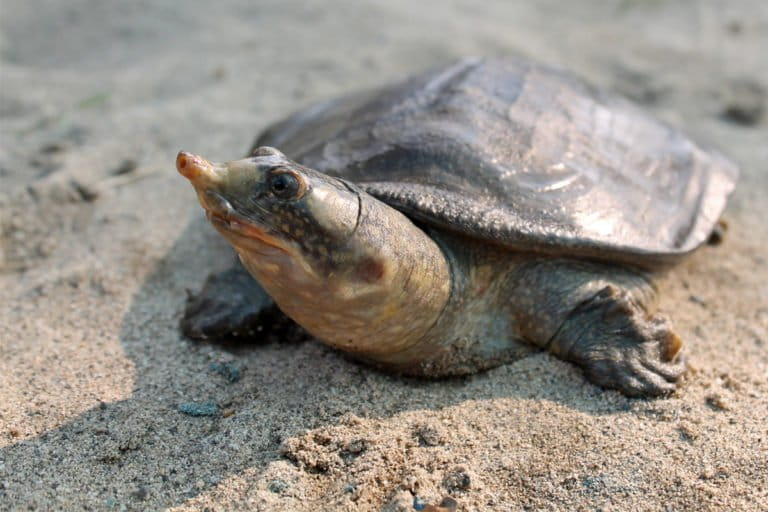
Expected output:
{"points": [[196, 169]]}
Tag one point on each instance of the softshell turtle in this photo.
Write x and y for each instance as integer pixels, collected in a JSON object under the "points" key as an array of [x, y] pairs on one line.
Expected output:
{"points": [[454, 221]]}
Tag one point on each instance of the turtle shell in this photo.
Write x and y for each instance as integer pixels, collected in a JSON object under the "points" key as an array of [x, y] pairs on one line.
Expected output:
{"points": [[521, 155]]}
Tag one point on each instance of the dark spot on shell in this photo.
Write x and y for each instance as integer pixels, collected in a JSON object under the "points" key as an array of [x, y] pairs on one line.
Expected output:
{"points": [[371, 270]]}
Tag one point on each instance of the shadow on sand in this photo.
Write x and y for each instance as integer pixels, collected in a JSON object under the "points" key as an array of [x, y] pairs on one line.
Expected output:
{"points": [[284, 389]]}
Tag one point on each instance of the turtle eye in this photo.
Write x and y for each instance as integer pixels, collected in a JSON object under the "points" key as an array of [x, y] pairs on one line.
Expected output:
{"points": [[285, 184]]}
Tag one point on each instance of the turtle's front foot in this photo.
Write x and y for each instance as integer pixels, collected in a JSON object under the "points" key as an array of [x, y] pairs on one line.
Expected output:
{"points": [[620, 346], [233, 305]]}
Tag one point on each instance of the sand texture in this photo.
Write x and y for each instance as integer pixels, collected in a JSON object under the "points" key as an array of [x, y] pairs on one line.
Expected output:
{"points": [[101, 239]]}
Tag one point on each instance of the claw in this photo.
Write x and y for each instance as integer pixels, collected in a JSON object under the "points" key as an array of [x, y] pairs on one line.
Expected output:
{"points": [[673, 344]]}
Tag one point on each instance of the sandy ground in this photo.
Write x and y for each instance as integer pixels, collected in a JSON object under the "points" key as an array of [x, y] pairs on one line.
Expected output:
{"points": [[101, 239]]}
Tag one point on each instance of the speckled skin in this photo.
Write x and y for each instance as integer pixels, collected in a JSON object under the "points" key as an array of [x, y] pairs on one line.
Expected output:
{"points": [[504, 304], [543, 209], [500, 306]]}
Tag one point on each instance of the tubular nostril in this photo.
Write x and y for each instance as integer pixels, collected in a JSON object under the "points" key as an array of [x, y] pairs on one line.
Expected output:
{"points": [[190, 166], [196, 169], [182, 159]]}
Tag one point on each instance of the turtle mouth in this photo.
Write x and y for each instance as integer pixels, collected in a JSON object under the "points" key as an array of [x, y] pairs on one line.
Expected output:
{"points": [[223, 216]]}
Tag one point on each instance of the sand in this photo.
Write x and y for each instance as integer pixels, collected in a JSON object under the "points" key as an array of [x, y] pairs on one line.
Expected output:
{"points": [[101, 239]]}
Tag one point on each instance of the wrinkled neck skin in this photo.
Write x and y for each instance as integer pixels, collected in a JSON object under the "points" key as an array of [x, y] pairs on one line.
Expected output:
{"points": [[377, 297]]}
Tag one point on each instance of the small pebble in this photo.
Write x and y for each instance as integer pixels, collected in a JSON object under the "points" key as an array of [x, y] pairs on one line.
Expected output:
{"points": [[229, 371], [428, 435], [697, 300], [199, 408], [717, 401], [688, 432], [457, 480], [277, 486], [357, 446]]}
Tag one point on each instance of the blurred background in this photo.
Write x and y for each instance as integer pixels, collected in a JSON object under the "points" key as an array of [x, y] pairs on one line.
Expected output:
{"points": [[159, 75]]}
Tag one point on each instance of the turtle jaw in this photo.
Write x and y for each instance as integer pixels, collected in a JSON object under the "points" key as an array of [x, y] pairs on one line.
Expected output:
{"points": [[240, 232]]}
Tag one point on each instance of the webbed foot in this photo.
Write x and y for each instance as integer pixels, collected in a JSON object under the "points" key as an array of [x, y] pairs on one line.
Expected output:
{"points": [[620, 346], [232, 304]]}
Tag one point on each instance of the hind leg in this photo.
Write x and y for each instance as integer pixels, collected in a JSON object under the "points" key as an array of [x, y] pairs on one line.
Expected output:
{"points": [[604, 319], [232, 304]]}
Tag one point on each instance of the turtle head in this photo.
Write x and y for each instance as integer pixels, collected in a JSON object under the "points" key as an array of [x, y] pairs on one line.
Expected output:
{"points": [[273, 209], [339, 262]]}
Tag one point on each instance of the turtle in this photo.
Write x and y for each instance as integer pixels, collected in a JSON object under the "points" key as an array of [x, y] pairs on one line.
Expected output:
{"points": [[460, 219]]}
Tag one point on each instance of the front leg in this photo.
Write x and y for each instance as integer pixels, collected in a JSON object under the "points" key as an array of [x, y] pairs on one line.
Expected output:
{"points": [[232, 305], [604, 319]]}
